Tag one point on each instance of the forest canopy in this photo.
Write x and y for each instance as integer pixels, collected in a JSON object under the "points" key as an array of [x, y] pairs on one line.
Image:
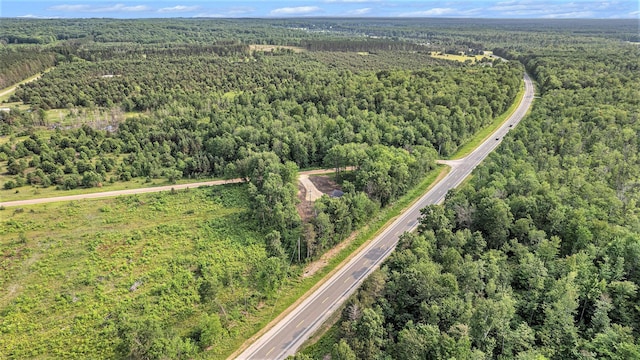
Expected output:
{"points": [[536, 257]]}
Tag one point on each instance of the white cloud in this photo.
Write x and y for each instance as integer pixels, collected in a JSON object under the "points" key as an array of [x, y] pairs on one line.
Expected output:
{"points": [[634, 13], [570, 15], [357, 12], [603, 5], [31, 16], [518, 6], [506, 2], [178, 8], [431, 12], [90, 8], [228, 12], [300, 10], [471, 12], [529, 8], [124, 8]]}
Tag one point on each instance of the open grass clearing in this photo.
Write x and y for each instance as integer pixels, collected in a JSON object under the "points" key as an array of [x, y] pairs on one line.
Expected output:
{"points": [[98, 118], [266, 48], [68, 268], [461, 58]]}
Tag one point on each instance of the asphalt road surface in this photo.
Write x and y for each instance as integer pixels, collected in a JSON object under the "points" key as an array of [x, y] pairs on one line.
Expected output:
{"points": [[284, 338]]}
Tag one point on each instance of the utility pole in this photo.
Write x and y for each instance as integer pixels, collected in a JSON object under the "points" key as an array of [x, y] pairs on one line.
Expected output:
{"points": [[298, 249]]}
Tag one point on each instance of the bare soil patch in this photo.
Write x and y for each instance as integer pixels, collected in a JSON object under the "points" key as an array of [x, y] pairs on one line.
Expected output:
{"points": [[325, 184], [305, 207]]}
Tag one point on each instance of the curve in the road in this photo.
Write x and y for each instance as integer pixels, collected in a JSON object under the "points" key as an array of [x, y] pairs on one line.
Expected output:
{"points": [[284, 338]]}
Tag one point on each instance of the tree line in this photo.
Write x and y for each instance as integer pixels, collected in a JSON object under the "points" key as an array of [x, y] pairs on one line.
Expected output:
{"points": [[17, 65], [207, 117]]}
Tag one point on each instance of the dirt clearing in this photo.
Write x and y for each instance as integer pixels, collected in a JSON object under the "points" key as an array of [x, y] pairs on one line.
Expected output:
{"points": [[310, 188], [325, 184], [265, 48]]}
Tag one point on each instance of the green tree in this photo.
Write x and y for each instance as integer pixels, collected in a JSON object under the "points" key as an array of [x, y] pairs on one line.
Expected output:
{"points": [[369, 333], [211, 331], [342, 351]]}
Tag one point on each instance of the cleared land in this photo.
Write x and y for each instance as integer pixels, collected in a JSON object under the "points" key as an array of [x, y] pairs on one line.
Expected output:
{"points": [[461, 58], [257, 47], [69, 270]]}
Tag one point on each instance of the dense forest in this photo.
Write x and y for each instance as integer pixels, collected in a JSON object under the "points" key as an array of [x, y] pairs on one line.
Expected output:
{"points": [[208, 114], [537, 256]]}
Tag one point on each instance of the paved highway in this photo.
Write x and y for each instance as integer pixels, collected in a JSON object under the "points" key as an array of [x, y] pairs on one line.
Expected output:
{"points": [[284, 338]]}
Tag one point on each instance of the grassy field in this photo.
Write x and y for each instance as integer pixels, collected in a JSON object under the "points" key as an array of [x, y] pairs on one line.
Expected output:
{"points": [[486, 132], [460, 58], [74, 118], [68, 269], [259, 47]]}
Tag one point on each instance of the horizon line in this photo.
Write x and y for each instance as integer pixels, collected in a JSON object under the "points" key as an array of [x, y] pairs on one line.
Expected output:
{"points": [[26, 17]]}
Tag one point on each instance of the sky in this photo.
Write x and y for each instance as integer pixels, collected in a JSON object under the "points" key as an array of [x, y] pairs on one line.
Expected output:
{"points": [[549, 9]]}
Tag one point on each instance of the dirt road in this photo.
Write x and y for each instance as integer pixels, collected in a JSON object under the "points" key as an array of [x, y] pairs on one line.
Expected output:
{"points": [[148, 190], [11, 89], [312, 191], [8, 90]]}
